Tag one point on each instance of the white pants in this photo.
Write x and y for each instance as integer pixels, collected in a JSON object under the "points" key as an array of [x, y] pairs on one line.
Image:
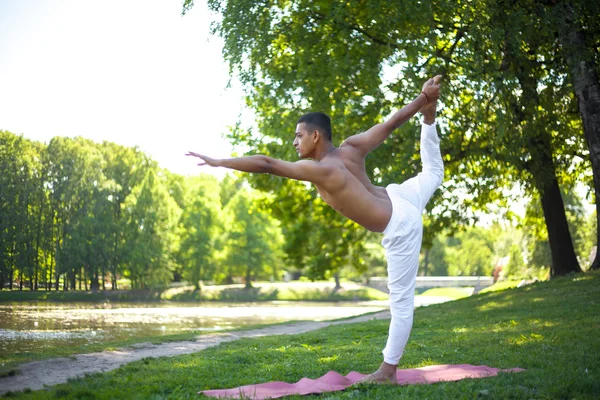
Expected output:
{"points": [[402, 240]]}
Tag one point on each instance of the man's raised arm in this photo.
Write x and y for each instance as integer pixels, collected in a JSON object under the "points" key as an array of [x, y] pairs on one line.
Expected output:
{"points": [[371, 139], [303, 170]]}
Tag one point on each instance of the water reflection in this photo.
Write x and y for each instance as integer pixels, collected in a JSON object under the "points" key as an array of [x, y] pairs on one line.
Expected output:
{"points": [[30, 326]]}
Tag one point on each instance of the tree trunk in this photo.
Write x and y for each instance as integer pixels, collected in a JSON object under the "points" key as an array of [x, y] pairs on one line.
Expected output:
{"points": [[197, 281], [248, 278], [56, 259], [543, 169], [587, 89], [12, 269], [35, 268], [50, 273], [338, 286], [564, 259], [72, 279], [94, 285], [425, 262]]}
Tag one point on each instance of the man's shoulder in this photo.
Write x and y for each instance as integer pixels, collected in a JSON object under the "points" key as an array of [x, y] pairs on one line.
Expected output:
{"points": [[351, 153]]}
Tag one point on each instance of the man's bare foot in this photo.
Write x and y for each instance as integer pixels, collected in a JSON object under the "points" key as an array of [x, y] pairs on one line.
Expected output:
{"points": [[386, 374], [429, 109]]}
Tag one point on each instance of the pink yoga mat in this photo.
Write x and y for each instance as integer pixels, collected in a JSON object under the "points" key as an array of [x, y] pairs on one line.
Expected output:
{"points": [[332, 381]]}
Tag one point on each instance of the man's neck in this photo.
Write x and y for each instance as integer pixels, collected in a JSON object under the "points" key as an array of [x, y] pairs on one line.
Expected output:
{"points": [[323, 152]]}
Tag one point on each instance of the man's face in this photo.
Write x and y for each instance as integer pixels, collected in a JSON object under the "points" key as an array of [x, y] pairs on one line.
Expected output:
{"points": [[303, 142]]}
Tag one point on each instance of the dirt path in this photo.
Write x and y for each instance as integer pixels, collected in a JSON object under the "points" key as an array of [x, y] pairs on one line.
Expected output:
{"points": [[35, 375]]}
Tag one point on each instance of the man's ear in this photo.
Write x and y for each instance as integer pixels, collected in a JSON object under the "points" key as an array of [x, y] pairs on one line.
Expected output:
{"points": [[316, 135]]}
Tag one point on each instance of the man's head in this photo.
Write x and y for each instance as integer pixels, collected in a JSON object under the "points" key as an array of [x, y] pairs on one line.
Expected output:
{"points": [[313, 129]]}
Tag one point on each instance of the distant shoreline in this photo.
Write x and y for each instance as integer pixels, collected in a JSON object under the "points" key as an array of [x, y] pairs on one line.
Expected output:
{"points": [[284, 291]]}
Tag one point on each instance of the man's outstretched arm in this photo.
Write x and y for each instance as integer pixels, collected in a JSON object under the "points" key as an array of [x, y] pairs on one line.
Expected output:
{"points": [[371, 139], [303, 170]]}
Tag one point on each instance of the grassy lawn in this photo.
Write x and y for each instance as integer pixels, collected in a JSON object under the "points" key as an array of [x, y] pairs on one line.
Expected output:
{"points": [[9, 362], [450, 292], [500, 286], [277, 291], [549, 328]]}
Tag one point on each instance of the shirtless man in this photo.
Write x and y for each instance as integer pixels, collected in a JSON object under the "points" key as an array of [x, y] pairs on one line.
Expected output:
{"points": [[340, 177]]}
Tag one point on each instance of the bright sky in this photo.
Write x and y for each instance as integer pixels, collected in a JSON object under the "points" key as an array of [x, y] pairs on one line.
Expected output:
{"points": [[133, 72]]}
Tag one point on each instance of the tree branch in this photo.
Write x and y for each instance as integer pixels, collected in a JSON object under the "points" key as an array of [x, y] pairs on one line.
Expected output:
{"points": [[446, 53], [357, 28]]}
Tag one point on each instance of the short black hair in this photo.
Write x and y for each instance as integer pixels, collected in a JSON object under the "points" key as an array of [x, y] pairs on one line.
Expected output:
{"points": [[317, 121]]}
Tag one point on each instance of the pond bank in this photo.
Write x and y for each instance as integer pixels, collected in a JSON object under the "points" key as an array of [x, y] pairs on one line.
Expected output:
{"points": [[38, 374], [261, 291]]}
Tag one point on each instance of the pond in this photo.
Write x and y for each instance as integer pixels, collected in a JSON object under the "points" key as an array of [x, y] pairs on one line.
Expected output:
{"points": [[27, 327]]}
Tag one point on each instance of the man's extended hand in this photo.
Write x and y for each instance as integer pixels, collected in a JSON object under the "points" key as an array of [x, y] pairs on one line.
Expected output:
{"points": [[205, 159]]}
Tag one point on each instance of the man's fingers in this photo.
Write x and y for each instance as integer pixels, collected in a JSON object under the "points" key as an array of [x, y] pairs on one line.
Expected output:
{"points": [[437, 79]]}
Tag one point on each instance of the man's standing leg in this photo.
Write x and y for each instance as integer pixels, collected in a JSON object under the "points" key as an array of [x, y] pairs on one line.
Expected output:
{"points": [[403, 247], [403, 255]]}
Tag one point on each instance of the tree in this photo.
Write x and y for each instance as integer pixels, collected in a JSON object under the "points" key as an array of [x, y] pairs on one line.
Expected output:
{"points": [[124, 170], [510, 117], [515, 266], [470, 253], [434, 262], [75, 178], [202, 228], [579, 34], [254, 240], [19, 163], [152, 217], [538, 248]]}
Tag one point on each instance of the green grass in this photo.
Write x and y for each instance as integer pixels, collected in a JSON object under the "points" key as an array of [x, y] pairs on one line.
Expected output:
{"points": [[9, 362], [450, 292], [549, 328], [280, 291], [292, 291], [502, 285]]}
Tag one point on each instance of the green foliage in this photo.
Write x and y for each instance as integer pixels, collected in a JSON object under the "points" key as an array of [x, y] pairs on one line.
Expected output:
{"points": [[76, 215], [509, 113], [152, 216], [201, 229], [254, 240], [22, 203], [581, 226], [435, 258], [515, 268], [470, 253]]}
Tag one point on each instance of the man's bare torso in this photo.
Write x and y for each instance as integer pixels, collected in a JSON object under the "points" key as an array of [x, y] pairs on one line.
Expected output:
{"points": [[351, 193]]}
